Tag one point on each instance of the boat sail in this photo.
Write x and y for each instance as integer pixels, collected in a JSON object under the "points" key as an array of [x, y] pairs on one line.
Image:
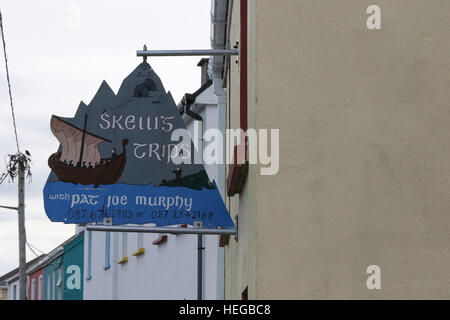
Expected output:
{"points": [[79, 160]]}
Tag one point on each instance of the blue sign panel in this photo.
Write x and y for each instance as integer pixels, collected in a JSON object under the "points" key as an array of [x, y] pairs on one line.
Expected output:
{"points": [[115, 161]]}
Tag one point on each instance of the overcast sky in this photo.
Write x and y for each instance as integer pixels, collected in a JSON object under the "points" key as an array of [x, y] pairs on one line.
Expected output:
{"points": [[57, 59]]}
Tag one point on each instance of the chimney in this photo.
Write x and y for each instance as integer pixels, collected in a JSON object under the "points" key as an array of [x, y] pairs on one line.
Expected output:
{"points": [[204, 65]]}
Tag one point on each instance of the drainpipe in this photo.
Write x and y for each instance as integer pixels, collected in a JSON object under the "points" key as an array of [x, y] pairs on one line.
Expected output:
{"points": [[200, 267], [189, 99], [115, 272]]}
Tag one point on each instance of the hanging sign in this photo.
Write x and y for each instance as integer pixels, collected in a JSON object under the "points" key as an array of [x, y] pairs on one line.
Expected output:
{"points": [[115, 161]]}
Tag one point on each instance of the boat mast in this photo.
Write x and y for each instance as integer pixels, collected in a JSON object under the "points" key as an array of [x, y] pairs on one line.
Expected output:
{"points": [[82, 141]]}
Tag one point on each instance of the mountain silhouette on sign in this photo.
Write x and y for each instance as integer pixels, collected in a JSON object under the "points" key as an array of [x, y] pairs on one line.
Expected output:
{"points": [[196, 181]]}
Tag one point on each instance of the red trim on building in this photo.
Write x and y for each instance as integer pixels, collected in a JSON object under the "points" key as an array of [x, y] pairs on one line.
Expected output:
{"points": [[243, 67], [160, 240], [224, 240], [238, 170], [244, 295]]}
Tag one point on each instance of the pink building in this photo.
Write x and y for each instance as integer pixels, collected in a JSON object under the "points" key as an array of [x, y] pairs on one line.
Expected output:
{"points": [[36, 285]]}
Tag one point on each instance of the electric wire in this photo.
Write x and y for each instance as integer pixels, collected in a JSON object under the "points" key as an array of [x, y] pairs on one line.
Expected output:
{"points": [[29, 247], [36, 248], [8, 81]]}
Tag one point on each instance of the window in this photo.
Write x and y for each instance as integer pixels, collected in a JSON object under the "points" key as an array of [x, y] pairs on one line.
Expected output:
{"points": [[89, 257], [107, 250], [49, 285], [140, 240], [40, 289], [27, 288], [124, 258], [124, 244], [33, 289], [59, 281], [54, 286], [59, 284], [140, 245]]}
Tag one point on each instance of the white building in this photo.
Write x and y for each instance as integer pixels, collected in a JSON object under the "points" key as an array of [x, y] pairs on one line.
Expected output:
{"points": [[158, 266], [11, 279]]}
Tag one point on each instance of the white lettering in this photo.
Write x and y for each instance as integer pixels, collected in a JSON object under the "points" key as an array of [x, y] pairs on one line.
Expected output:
{"points": [[130, 120], [104, 117]]}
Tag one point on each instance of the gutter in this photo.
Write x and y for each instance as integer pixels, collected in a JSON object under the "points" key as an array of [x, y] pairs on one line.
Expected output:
{"points": [[188, 108], [219, 19], [227, 43], [38, 265]]}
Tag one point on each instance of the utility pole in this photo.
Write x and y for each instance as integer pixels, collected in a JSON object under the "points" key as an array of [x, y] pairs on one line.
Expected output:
{"points": [[22, 237]]}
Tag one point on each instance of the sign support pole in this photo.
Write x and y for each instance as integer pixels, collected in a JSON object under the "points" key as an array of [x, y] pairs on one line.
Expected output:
{"points": [[194, 52]]}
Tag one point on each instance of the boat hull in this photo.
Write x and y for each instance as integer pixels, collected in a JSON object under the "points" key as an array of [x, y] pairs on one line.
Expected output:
{"points": [[104, 175]]}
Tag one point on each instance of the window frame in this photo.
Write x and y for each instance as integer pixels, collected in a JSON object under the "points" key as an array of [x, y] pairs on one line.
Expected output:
{"points": [[33, 289], [107, 251], [40, 288]]}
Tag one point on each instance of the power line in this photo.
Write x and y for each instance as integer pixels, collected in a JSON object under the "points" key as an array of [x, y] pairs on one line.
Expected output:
{"points": [[9, 83], [8, 207], [29, 247], [18, 165], [36, 248]]}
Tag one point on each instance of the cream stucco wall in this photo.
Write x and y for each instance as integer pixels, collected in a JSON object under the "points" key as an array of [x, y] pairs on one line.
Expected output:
{"points": [[364, 178]]}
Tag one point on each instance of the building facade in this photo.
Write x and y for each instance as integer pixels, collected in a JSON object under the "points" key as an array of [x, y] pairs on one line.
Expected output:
{"points": [[57, 275], [3, 292], [10, 281], [35, 281], [53, 278], [363, 172], [73, 269]]}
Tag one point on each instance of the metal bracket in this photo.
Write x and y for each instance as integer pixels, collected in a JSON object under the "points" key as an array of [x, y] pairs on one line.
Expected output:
{"points": [[166, 230], [236, 47], [107, 221], [198, 224], [193, 52]]}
